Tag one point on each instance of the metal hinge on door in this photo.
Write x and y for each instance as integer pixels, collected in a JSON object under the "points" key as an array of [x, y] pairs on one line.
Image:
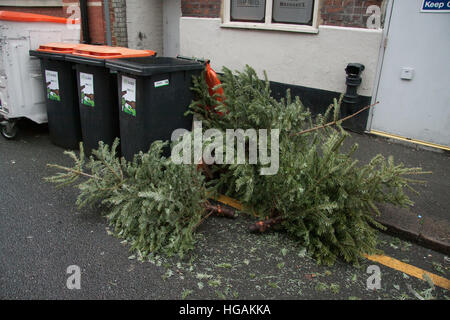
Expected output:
{"points": [[385, 42]]}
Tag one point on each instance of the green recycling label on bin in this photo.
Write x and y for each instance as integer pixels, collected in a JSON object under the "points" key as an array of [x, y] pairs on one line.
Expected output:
{"points": [[129, 95], [52, 84], [87, 89], [161, 83]]}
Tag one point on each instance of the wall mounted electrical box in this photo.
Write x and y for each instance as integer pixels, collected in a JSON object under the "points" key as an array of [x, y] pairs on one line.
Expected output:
{"points": [[407, 73]]}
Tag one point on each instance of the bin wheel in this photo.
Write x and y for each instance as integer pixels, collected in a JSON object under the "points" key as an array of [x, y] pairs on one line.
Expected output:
{"points": [[9, 130]]}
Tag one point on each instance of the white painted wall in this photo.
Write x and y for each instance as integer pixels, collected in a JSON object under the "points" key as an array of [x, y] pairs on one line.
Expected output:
{"points": [[311, 60], [145, 24], [171, 27]]}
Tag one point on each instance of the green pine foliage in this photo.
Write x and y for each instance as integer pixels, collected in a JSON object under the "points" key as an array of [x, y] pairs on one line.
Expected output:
{"points": [[153, 203], [327, 201]]}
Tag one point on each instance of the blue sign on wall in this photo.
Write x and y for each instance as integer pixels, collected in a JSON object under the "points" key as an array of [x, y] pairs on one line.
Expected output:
{"points": [[436, 6]]}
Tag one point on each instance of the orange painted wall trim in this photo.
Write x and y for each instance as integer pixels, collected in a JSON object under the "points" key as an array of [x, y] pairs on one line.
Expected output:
{"points": [[32, 17]]}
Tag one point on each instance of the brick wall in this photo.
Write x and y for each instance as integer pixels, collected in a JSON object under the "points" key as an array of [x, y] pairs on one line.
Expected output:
{"points": [[95, 16], [201, 8], [345, 13], [118, 16]]}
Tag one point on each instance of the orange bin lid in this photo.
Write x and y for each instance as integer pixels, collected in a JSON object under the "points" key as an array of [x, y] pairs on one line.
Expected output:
{"points": [[58, 47], [32, 17], [107, 52]]}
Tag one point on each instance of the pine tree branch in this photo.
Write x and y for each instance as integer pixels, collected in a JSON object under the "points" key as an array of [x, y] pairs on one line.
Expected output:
{"points": [[203, 220], [111, 169], [204, 167], [334, 122], [80, 173], [221, 212]]}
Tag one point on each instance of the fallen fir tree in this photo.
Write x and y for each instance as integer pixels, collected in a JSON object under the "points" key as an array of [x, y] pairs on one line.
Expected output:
{"points": [[320, 195], [153, 203]]}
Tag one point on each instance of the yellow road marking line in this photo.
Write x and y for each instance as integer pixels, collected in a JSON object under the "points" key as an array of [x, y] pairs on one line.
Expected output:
{"points": [[409, 269], [229, 201], [397, 137], [382, 259]]}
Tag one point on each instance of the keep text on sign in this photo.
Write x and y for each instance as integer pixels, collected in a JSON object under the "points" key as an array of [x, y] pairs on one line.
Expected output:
{"points": [[436, 6]]}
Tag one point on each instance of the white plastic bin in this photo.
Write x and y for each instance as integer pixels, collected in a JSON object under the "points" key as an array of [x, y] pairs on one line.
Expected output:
{"points": [[21, 94]]}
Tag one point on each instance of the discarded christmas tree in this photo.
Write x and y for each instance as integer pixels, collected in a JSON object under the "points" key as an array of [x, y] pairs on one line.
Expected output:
{"points": [[153, 203], [320, 195]]}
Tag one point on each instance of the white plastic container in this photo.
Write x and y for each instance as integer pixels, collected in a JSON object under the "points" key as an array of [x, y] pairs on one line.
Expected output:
{"points": [[21, 93]]}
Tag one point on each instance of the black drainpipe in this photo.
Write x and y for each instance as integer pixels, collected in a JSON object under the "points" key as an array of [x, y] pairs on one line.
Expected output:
{"points": [[351, 101], [85, 21]]}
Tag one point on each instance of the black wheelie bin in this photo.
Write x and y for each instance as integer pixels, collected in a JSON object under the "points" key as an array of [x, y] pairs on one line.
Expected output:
{"points": [[154, 94], [61, 94], [97, 91]]}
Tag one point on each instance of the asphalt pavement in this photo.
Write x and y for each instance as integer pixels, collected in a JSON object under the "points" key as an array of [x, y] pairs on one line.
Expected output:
{"points": [[42, 233]]}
